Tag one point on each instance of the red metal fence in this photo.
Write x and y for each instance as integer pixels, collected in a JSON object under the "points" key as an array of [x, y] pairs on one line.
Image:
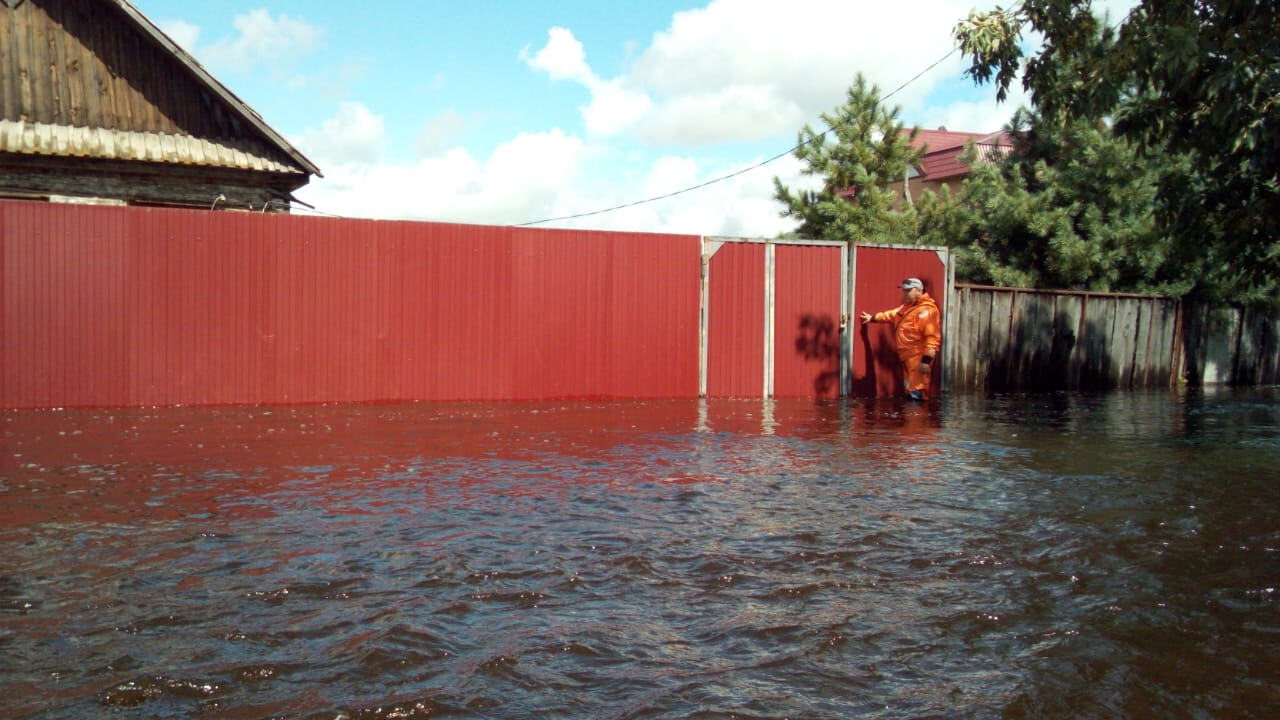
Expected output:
{"points": [[878, 273], [122, 306], [138, 307], [773, 318]]}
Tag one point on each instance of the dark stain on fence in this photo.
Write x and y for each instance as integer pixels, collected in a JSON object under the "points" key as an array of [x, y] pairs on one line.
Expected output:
{"points": [[818, 340], [1027, 340]]}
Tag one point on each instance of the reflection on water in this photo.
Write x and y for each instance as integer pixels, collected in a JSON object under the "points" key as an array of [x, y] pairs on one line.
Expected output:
{"points": [[1022, 556]]}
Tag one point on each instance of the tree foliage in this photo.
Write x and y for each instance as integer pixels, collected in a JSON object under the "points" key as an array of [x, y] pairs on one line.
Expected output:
{"points": [[1195, 82], [864, 150], [1069, 207]]}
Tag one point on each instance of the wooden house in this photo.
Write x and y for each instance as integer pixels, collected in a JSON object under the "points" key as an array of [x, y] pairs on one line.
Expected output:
{"points": [[98, 105]]}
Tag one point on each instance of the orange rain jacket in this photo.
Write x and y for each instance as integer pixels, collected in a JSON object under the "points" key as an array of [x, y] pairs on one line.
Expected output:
{"points": [[917, 328]]}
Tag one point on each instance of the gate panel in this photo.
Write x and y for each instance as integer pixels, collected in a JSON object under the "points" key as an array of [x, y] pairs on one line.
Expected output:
{"points": [[806, 351], [735, 321], [878, 275]]}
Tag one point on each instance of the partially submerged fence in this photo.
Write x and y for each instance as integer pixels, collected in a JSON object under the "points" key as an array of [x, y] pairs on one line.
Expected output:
{"points": [[132, 306], [1019, 339], [117, 307], [1231, 345], [1023, 339], [125, 306]]}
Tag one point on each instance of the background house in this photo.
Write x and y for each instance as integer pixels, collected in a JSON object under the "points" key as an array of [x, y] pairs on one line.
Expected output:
{"points": [[941, 164], [98, 105]]}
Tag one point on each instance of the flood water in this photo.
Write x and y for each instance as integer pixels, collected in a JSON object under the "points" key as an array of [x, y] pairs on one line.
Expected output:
{"points": [[1022, 556]]}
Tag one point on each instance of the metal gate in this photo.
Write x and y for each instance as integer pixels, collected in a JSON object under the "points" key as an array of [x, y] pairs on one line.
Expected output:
{"points": [[878, 271], [772, 314]]}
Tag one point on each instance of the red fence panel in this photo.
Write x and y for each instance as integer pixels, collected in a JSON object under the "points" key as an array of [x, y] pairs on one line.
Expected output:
{"points": [[735, 321], [878, 274], [134, 307], [807, 296]]}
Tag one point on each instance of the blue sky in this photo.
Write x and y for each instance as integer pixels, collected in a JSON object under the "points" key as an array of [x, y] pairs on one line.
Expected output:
{"points": [[504, 112]]}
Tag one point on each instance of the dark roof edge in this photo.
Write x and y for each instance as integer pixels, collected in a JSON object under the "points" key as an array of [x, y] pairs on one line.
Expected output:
{"points": [[248, 113]]}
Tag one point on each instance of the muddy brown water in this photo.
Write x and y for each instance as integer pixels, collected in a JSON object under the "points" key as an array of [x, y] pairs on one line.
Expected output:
{"points": [[1018, 556]]}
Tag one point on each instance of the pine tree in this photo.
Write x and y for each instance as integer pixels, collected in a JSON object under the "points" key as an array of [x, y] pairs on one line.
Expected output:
{"points": [[1072, 206], [865, 149], [1196, 81]]}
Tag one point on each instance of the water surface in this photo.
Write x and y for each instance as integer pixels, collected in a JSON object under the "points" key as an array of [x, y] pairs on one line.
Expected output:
{"points": [[1018, 556]]}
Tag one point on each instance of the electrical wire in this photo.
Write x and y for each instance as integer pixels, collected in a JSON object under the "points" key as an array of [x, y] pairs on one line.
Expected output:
{"points": [[736, 173], [1010, 12]]}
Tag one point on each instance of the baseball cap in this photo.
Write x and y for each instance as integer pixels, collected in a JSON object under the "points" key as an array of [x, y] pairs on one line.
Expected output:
{"points": [[912, 283]]}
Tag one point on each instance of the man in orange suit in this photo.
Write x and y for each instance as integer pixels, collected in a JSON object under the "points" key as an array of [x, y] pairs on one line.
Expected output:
{"points": [[917, 328]]}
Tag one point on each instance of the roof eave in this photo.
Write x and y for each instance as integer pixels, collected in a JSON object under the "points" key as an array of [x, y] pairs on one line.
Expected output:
{"points": [[241, 107]]}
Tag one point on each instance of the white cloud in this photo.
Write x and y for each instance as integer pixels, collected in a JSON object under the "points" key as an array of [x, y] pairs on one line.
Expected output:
{"points": [[740, 206], [613, 108], [741, 112], [355, 136], [439, 130], [181, 32], [563, 57], [745, 70], [614, 105], [535, 176], [517, 182], [262, 38], [786, 62], [733, 72], [1113, 10], [979, 116]]}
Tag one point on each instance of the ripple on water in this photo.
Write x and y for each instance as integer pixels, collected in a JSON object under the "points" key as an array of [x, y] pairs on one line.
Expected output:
{"points": [[1016, 557]]}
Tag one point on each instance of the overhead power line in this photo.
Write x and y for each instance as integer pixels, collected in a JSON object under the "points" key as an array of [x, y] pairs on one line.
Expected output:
{"points": [[736, 173]]}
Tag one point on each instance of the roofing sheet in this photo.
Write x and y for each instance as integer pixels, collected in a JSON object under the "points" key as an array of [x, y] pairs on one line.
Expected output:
{"points": [[106, 144]]}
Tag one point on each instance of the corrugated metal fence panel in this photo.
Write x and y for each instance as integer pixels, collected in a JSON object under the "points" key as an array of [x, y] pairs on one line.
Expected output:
{"points": [[878, 274], [137, 307], [735, 321], [655, 298], [806, 321]]}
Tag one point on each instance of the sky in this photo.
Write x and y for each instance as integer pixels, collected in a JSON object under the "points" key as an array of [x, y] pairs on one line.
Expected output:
{"points": [[506, 113]]}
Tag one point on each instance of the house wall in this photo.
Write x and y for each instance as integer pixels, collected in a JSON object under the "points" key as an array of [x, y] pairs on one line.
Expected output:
{"points": [[920, 186], [82, 64], [91, 106], [24, 176]]}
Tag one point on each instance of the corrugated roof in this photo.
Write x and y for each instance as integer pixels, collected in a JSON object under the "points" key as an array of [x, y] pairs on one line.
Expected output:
{"points": [[940, 163], [935, 140], [236, 104], [104, 144]]}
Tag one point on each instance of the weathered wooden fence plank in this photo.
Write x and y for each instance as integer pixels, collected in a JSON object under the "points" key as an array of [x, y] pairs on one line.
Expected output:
{"points": [[1163, 343], [1023, 339], [997, 349], [982, 341], [1250, 363], [962, 357], [1222, 339], [1270, 353], [1123, 337], [1068, 350]]}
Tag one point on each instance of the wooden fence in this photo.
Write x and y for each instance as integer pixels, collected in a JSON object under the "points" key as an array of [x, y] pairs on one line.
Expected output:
{"points": [[1021, 339], [1231, 346]]}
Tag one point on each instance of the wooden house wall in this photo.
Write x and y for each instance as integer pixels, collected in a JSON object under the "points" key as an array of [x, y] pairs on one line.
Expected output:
{"points": [[83, 64]]}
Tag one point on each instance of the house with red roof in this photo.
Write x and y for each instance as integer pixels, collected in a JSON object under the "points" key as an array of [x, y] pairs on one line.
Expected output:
{"points": [[942, 165]]}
